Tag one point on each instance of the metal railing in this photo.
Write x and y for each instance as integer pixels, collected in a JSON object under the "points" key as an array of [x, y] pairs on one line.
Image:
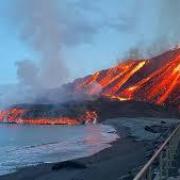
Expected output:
{"points": [[162, 160]]}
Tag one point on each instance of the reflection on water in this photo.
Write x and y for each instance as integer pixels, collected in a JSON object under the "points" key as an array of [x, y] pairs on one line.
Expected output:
{"points": [[27, 145], [92, 137]]}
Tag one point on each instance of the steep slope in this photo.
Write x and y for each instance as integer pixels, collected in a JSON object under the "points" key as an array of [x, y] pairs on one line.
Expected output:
{"points": [[155, 80], [134, 88]]}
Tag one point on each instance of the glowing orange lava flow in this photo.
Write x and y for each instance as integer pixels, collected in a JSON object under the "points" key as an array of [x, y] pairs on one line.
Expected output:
{"points": [[89, 117], [169, 89], [156, 80], [48, 121], [11, 115], [16, 115], [105, 79], [2, 115], [132, 70]]}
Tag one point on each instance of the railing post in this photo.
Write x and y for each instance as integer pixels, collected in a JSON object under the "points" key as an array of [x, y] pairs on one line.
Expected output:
{"points": [[170, 155], [165, 155], [167, 162], [161, 166], [149, 174]]}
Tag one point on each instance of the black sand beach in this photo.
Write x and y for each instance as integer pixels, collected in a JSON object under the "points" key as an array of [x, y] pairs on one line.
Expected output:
{"points": [[121, 161]]}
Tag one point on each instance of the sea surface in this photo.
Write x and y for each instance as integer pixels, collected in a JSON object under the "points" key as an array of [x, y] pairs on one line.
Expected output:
{"points": [[25, 145]]}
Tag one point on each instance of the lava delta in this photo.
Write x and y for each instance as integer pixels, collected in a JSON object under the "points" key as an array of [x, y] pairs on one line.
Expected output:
{"points": [[143, 87]]}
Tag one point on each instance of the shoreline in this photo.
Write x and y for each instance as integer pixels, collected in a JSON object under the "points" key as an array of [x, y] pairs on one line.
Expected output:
{"points": [[123, 159], [111, 159]]}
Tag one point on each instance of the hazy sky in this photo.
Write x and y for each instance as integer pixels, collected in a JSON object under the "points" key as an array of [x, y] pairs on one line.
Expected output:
{"points": [[117, 26]]}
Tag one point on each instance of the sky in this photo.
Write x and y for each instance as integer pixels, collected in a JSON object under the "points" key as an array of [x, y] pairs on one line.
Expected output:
{"points": [[116, 25]]}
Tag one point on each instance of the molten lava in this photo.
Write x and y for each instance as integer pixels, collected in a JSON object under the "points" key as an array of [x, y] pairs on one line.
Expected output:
{"points": [[17, 115], [11, 115], [156, 80], [89, 117]]}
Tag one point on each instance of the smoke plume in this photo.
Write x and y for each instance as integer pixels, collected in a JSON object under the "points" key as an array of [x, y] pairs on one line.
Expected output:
{"points": [[168, 24], [157, 30], [39, 27], [46, 27]]}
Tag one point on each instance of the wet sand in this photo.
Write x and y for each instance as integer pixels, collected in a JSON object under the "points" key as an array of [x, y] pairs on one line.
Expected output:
{"points": [[109, 164], [121, 161]]}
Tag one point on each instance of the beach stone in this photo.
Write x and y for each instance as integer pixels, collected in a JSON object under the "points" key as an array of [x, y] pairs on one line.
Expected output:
{"points": [[68, 165]]}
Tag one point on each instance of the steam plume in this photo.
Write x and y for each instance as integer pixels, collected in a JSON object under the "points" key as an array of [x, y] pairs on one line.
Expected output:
{"points": [[158, 27], [46, 26], [49, 25], [40, 28], [169, 21]]}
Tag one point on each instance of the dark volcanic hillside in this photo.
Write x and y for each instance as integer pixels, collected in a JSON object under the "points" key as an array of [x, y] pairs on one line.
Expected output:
{"points": [[134, 88], [155, 80]]}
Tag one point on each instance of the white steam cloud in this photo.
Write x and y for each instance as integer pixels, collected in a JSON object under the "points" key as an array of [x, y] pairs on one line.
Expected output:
{"points": [[47, 26], [158, 28], [168, 24], [39, 27]]}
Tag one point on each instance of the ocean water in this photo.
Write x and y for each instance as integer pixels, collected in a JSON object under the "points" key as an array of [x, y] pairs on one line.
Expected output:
{"points": [[25, 145]]}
